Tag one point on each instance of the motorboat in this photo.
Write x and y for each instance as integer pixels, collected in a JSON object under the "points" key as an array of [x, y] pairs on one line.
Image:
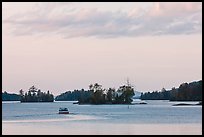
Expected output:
{"points": [[63, 111]]}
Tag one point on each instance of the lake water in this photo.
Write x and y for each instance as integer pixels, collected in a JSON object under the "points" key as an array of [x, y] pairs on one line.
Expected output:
{"points": [[154, 118]]}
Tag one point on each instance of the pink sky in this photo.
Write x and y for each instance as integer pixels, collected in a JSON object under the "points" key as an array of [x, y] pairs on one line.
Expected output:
{"points": [[67, 46]]}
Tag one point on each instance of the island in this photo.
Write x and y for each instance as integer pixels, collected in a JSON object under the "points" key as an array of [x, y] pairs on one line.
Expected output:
{"points": [[98, 95], [36, 95]]}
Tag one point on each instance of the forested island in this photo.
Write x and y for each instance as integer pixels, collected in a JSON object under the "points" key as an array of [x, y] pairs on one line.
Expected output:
{"points": [[98, 95], [185, 92], [36, 95]]}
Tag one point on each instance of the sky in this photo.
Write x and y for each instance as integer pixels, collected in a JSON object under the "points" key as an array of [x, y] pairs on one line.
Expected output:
{"points": [[65, 46]]}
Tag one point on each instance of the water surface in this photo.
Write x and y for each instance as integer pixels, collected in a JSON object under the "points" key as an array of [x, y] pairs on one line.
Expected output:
{"points": [[155, 117]]}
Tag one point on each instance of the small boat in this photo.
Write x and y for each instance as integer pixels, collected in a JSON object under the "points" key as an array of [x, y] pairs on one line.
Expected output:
{"points": [[63, 111]]}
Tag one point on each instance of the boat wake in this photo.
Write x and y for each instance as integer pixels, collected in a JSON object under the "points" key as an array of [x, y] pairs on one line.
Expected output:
{"points": [[66, 118]]}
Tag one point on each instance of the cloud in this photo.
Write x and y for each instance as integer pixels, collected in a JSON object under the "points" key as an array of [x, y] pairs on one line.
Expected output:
{"points": [[174, 8], [71, 20]]}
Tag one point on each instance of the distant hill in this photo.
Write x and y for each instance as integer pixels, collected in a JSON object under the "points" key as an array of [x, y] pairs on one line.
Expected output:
{"points": [[10, 97]]}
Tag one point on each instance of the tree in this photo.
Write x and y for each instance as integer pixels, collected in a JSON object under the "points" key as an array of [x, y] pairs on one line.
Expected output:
{"points": [[33, 89], [21, 92], [163, 90], [98, 94], [127, 94], [110, 94]]}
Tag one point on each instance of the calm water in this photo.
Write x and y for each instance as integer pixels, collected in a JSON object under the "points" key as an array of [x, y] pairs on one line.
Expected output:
{"points": [[155, 117]]}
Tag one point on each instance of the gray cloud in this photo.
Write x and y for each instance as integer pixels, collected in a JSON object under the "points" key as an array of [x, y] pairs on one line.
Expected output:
{"points": [[69, 21]]}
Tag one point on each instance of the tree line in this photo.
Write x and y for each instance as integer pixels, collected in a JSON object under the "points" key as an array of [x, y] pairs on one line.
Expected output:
{"points": [[185, 92], [10, 97], [98, 95]]}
